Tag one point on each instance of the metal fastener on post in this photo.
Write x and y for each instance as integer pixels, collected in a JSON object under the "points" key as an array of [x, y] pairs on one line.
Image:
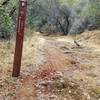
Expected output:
{"points": [[19, 38]]}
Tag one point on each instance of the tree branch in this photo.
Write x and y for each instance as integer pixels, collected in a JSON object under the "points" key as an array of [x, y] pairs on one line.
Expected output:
{"points": [[5, 2]]}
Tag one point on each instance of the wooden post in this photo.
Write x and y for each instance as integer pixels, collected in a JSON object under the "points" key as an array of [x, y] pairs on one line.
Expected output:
{"points": [[19, 38]]}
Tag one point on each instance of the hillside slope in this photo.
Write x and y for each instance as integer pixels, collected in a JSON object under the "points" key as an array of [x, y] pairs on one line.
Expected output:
{"points": [[90, 36]]}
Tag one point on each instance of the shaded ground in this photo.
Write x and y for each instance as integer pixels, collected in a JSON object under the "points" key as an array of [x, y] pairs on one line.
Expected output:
{"points": [[53, 68]]}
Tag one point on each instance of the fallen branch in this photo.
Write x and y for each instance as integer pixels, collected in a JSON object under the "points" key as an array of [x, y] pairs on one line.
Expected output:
{"points": [[77, 44]]}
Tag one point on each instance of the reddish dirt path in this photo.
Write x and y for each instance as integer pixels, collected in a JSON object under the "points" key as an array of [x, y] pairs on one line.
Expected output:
{"points": [[55, 58], [55, 61], [78, 63]]}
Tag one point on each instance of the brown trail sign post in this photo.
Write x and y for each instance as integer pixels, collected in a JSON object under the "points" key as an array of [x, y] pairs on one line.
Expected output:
{"points": [[19, 38]]}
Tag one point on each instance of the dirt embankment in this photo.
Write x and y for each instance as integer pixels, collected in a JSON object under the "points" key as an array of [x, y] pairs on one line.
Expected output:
{"points": [[90, 37]]}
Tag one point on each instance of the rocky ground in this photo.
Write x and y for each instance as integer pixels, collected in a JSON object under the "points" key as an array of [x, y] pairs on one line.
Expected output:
{"points": [[53, 68]]}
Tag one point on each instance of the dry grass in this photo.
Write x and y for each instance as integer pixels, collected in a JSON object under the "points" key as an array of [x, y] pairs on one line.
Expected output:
{"points": [[90, 37], [81, 64]]}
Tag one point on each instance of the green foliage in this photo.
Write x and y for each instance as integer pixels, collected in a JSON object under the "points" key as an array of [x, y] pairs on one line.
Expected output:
{"points": [[68, 2], [43, 13], [6, 21], [94, 12]]}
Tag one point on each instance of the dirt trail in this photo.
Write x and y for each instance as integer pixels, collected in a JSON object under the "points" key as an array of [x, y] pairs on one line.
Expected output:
{"points": [[75, 63], [54, 68]]}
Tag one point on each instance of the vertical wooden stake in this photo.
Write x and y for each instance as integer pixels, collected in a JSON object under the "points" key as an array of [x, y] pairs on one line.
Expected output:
{"points": [[19, 38]]}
